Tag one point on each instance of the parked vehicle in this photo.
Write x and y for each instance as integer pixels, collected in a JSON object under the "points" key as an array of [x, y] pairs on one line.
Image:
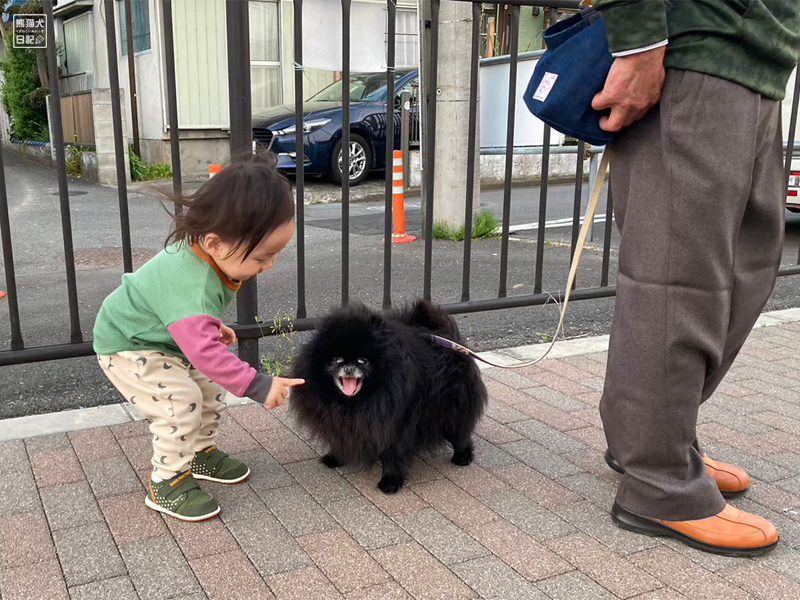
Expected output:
{"points": [[274, 128], [793, 195]]}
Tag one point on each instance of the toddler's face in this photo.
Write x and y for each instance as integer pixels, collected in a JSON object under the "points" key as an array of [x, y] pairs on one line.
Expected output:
{"points": [[260, 259]]}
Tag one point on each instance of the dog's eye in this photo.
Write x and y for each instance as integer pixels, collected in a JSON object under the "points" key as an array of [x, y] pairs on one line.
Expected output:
{"points": [[362, 362], [338, 361]]}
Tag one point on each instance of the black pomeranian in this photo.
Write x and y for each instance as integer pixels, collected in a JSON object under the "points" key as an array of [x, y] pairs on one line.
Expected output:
{"points": [[378, 389]]}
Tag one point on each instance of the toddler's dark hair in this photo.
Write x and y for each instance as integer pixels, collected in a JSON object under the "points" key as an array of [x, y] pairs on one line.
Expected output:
{"points": [[246, 201]]}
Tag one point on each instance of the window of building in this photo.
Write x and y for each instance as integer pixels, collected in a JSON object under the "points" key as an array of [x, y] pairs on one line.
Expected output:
{"points": [[140, 12], [265, 54], [406, 38]]}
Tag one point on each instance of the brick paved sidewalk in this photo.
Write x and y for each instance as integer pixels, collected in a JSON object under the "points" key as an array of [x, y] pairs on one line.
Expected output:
{"points": [[528, 520]]}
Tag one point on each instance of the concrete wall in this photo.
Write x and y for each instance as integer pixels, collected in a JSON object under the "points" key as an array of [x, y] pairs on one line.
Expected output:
{"points": [[104, 138], [40, 154], [90, 166], [526, 168]]}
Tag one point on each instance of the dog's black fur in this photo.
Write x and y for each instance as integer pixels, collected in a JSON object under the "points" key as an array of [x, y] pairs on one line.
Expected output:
{"points": [[415, 394]]}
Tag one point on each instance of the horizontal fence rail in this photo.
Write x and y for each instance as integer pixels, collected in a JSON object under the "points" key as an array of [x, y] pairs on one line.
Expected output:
{"points": [[248, 327]]}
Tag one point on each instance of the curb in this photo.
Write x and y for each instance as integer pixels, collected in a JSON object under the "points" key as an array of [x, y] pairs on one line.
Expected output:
{"points": [[117, 414]]}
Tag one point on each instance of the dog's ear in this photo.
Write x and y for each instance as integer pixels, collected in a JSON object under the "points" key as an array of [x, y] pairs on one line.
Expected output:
{"points": [[424, 314]]}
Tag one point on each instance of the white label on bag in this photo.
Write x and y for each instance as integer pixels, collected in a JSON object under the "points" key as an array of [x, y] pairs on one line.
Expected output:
{"points": [[548, 81]]}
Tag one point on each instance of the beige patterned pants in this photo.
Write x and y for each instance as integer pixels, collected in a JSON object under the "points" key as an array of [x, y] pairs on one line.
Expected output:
{"points": [[183, 405]]}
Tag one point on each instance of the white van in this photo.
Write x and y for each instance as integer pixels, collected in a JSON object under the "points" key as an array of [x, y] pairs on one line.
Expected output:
{"points": [[793, 195]]}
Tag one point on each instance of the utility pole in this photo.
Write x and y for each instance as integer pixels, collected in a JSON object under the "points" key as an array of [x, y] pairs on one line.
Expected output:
{"points": [[451, 94], [132, 77]]}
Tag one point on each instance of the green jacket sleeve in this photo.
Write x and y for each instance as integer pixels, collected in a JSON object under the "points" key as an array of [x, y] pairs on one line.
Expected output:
{"points": [[633, 24]]}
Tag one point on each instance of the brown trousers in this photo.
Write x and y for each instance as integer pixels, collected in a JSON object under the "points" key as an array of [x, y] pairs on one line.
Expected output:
{"points": [[183, 405], [698, 198]]}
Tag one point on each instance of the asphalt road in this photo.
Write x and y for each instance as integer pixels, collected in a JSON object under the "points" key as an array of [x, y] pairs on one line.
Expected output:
{"points": [[40, 271]]}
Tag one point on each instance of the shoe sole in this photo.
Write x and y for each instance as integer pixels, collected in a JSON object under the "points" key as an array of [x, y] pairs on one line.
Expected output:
{"points": [[161, 509], [725, 494], [227, 481], [630, 522]]}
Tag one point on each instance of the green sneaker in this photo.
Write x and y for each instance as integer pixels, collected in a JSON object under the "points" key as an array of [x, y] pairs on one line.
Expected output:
{"points": [[212, 464], [182, 498]]}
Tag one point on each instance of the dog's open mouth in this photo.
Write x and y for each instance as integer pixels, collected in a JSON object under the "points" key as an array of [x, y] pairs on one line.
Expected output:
{"points": [[349, 386]]}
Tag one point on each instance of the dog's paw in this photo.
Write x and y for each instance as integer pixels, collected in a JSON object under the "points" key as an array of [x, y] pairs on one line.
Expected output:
{"points": [[330, 461], [390, 484], [462, 458]]}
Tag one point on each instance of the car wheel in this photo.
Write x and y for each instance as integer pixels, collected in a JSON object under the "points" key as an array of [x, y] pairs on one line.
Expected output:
{"points": [[360, 160]]}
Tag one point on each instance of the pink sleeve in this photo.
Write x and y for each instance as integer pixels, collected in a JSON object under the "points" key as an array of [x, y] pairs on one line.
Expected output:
{"points": [[198, 338]]}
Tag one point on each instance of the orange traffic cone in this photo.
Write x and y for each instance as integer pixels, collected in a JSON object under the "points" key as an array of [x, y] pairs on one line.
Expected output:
{"points": [[213, 170], [2, 295], [398, 202]]}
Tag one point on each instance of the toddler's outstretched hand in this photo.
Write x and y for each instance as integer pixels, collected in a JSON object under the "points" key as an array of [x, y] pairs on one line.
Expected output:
{"points": [[226, 335], [280, 391]]}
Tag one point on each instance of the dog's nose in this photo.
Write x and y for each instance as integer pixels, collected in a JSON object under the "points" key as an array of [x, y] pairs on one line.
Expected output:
{"points": [[349, 370]]}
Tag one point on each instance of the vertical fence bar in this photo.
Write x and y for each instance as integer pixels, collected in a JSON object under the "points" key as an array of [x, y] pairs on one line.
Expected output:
{"points": [[792, 136], [8, 263], [792, 127], [541, 227], [592, 177], [119, 136], [607, 235], [431, 145], [345, 152], [132, 77], [390, 129], [471, 144], [237, 23], [512, 107], [300, 158], [172, 101], [576, 205], [405, 134], [61, 170]]}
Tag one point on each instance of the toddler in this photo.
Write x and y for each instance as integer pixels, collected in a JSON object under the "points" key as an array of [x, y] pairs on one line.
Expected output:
{"points": [[160, 340]]}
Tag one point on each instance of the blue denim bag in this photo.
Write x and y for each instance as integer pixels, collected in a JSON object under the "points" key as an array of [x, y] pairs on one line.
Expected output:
{"points": [[569, 74]]}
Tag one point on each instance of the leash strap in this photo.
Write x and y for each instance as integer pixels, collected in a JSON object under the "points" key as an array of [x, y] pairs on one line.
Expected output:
{"points": [[573, 270]]}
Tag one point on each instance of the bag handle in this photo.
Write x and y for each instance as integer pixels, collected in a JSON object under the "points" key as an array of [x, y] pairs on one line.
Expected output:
{"points": [[573, 270]]}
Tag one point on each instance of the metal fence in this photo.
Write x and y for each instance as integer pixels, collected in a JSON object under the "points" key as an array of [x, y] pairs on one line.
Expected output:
{"points": [[247, 327]]}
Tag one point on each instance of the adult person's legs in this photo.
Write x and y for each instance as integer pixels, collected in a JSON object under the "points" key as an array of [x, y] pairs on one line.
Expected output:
{"points": [[697, 189]]}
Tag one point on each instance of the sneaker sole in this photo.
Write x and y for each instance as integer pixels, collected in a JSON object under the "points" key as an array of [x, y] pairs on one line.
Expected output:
{"points": [[631, 522], [227, 481], [161, 509], [728, 495]]}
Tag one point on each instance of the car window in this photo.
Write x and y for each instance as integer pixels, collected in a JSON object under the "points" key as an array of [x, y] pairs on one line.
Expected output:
{"points": [[363, 87], [410, 87], [357, 90]]}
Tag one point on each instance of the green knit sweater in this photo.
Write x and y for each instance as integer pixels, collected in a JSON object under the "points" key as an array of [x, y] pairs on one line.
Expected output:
{"points": [[174, 304], [173, 285], [755, 43]]}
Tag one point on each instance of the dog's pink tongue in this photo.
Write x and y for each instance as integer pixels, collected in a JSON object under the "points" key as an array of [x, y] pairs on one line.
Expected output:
{"points": [[349, 385]]}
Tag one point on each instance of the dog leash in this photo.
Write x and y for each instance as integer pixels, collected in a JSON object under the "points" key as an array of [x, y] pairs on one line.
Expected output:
{"points": [[573, 270]]}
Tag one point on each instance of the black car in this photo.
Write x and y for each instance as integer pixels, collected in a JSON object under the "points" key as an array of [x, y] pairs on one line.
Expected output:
{"points": [[274, 128]]}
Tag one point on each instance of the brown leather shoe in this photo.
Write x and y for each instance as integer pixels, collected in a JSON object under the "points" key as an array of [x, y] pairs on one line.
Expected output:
{"points": [[731, 480], [732, 532]]}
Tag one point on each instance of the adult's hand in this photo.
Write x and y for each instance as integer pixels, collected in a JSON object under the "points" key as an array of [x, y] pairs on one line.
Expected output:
{"points": [[632, 88]]}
